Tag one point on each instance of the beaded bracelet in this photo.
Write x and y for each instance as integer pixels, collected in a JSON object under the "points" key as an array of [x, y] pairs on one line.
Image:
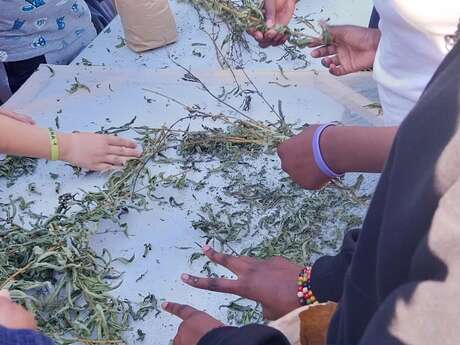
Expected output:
{"points": [[305, 293]]}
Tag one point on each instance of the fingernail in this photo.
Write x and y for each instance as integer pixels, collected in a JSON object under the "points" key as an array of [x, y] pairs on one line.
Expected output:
{"points": [[206, 248], [164, 305], [314, 54], [185, 277]]}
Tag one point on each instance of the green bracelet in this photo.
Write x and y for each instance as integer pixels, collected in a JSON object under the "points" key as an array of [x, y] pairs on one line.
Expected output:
{"points": [[54, 145]]}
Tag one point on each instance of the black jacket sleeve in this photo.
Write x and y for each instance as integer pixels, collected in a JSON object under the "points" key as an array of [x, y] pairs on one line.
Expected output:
{"points": [[426, 311], [248, 335], [328, 272]]}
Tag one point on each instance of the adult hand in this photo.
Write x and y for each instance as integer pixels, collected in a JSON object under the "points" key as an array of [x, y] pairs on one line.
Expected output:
{"points": [[196, 324], [16, 116], [277, 12], [96, 151], [297, 160], [271, 282], [353, 50], [13, 315]]}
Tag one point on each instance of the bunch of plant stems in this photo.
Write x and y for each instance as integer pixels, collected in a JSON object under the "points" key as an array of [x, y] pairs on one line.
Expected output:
{"points": [[250, 15]]}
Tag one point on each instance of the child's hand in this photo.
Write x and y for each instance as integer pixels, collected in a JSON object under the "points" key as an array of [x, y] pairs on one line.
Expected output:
{"points": [[13, 316], [96, 152], [16, 116]]}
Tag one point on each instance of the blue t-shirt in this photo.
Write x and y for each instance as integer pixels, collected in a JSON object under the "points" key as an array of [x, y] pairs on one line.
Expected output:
{"points": [[22, 337], [30, 28]]}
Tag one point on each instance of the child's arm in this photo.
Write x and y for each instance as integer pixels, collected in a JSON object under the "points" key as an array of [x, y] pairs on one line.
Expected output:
{"points": [[87, 150]]}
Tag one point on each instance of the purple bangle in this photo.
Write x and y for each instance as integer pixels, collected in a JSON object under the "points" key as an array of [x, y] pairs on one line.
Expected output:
{"points": [[320, 162]]}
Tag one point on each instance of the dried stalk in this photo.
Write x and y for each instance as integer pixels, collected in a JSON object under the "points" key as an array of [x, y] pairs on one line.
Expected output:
{"points": [[250, 15]]}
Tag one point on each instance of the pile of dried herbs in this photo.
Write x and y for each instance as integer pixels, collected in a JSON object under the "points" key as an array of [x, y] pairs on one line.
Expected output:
{"points": [[47, 262], [12, 168], [49, 266]]}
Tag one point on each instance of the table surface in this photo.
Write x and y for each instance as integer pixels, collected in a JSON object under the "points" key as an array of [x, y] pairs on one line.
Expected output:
{"points": [[117, 94]]}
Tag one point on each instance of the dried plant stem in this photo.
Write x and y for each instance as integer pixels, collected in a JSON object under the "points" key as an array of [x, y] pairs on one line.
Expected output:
{"points": [[251, 16]]}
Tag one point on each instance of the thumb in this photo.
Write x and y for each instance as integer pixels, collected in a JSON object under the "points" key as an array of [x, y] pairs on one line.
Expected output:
{"points": [[270, 12], [5, 294]]}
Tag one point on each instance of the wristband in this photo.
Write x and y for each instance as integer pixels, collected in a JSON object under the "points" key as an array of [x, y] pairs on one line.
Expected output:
{"points": [[305, 294], [318, 156], [54, 145]]}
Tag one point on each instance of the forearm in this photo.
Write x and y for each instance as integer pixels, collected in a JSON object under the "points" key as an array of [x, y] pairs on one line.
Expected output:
{"points": [[357, 149], [20, 139]]}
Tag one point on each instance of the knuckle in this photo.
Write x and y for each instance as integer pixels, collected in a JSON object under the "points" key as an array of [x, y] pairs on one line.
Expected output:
{"points": [[213, 284]]}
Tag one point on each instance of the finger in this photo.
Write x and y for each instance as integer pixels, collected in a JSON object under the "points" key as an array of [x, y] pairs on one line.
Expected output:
{"points": [[233, 263], [103, 167], [19, 117], [315, 42], [328, 61], [270, 12], [337, 70], [24, 118], [124, 151], [271, 35], [279, 39], [212, 284], [119, 141], [265, 42], [116, 161], [258, 35], [324, 51], [182, 311]]}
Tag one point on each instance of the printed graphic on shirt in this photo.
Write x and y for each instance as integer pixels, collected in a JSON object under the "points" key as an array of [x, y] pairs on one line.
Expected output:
{"points": [[39, 42], [18, 24], [33, 4], [40, 23], [75, 7], [60, 23]]}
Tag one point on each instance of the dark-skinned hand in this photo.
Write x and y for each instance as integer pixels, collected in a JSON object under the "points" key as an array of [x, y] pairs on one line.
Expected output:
{"points": [[271, 282], [353, 50], [296, 155], [196, 324]]}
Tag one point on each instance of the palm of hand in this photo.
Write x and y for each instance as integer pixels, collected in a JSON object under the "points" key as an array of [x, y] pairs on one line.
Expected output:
{"points": [[353, 50]]}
